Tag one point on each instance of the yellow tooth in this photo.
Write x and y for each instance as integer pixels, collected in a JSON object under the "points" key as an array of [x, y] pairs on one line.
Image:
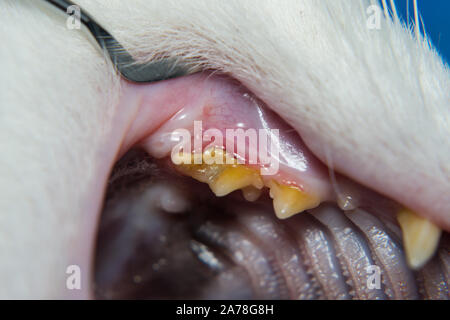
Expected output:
{"points": [[235, 177], [228, 176], [202, 172], [420, 238], [251, 193], [289, 200], [222, 173]]}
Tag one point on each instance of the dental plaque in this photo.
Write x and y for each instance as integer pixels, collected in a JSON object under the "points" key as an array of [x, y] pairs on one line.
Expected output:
{"points": [[226, 138]]}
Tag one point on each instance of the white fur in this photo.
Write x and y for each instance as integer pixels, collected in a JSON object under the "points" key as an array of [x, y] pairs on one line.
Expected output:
{"points": [[377, 100]]}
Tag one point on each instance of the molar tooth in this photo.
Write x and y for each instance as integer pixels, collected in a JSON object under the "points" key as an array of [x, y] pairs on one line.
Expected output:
{"points": [[251, 193], [289, 200], [233, 178], [201, 172], [229, 176], [420, 238]]}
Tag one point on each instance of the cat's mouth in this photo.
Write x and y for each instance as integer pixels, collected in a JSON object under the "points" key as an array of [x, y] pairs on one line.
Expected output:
{"points": [[165, 234]]}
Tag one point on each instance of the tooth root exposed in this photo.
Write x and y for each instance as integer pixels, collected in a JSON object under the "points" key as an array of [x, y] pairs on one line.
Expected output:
{"points": [[420, 238], [234, 178], [289, 200]]}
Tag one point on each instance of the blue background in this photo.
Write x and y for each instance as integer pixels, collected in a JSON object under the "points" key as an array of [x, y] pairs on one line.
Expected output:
{"points": [[436, 18]]}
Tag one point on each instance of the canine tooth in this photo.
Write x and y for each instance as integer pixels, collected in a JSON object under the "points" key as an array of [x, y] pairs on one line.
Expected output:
{"points": [[420, 237], [251, 193], [233, 178], [289, 200]]}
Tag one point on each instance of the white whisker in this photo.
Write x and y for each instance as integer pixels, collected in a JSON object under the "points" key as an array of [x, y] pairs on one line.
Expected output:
{"points": [[385, 9], [394, 10], [416, 21]]}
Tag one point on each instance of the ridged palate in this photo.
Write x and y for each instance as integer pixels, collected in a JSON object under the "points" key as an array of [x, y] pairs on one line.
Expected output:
{"points": [[315, 255]]}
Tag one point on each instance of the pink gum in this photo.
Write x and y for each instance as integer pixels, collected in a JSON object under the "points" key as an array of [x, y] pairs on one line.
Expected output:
{"points": [[220, 104]]}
